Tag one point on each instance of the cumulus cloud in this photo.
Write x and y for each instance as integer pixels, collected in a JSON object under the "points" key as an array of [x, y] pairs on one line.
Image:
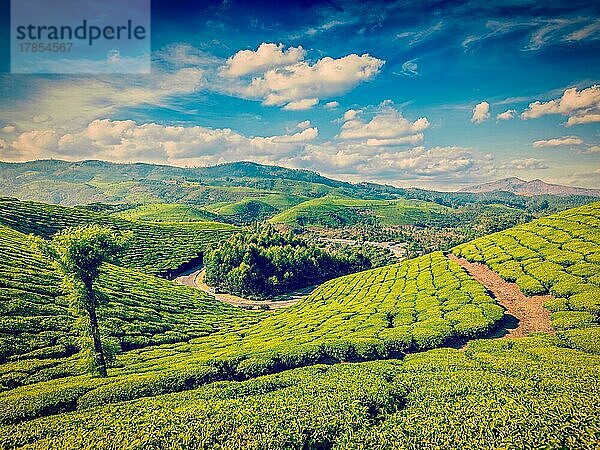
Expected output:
{"points": [[35, 142], [481, 112], [306, 135], [375, 155], [442, 165], [301, 105], [350, 114], [527, 164], [585, 118], [556, 142], [331, 105], [125, 140], [292, 81], [386, 127], [580, 106], [590, 149], [506, 115], [267, 56]]}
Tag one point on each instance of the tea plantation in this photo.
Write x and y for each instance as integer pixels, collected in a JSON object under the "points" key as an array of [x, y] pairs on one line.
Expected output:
{"points": [[194, 373], [158, 249], [560, 255], [37, 333]]}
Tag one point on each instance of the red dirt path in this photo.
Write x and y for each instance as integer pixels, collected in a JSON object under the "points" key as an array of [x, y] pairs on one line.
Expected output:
{"points": [[529, 311]]}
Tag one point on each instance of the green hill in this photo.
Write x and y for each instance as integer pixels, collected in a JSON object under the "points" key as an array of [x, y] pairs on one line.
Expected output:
{"points": [[513, 393], [37, 334], [83, 182], [335, 211], [560, 255], [156, 248], [167, 212]]}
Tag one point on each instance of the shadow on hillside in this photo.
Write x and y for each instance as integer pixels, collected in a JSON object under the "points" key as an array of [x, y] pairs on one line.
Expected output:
{"points": [[502, 328]]}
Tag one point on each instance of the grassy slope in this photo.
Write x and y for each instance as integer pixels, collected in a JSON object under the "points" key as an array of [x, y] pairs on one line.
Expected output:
{"points": [[493, 382], [533, 393], [37, 335], [167, 212], [156, 248], [560, 255], [335, 211]]}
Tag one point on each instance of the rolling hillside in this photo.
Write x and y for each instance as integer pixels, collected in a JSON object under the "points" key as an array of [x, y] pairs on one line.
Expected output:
{"points": [[156, 248], [83, 182], [167, 212], [38, 336], [336, 211], [533, 391]]}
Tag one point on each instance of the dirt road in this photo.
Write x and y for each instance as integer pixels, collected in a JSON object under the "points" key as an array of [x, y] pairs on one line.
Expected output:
{"points": [[196, 279], [529, 311]]}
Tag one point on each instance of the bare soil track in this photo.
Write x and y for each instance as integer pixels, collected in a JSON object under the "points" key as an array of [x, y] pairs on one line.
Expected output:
{"points": [[529, 311], [196, 279]]}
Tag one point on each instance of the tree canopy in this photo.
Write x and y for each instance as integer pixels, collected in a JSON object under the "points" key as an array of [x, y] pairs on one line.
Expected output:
{"points": [[263, 262], [78, 253]]}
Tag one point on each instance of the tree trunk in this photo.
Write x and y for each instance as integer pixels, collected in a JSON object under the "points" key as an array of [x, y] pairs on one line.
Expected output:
{"points": [[99, 360]]}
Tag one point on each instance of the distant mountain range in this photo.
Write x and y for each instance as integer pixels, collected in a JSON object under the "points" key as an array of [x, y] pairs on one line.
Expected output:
{"points": [[530, 188], [238, 188]]}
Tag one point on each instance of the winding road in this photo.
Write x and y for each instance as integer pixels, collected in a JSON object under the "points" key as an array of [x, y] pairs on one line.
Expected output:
{"points": [[195, 279]]}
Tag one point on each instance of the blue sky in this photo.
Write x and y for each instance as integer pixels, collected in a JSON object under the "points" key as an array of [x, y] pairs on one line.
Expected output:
{"points": [[431, 94]]}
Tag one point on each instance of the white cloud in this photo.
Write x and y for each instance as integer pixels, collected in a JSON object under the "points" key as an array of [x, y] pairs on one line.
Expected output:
{"points": [[585, 118], [64, 104], [589, 31], [590, 149], [421, 35], [8, 129], [303, 125], [33, 144], [549, 31], [350, 114], [410, 68], [306, 135], [413, 139], [450, 165], [387, 127], [481, 112], [385, 158], [556, 142], [125, 140], [506, 115], [331, 105], [304, 82], [301, 105], [527, 164], [581, 106], [267, 56]]}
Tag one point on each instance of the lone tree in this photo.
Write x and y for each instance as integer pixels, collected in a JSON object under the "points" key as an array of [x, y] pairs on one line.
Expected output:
{"points": [[78, 253]]}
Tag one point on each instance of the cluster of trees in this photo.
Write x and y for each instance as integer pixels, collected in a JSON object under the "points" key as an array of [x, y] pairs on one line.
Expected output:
{"points": [[263, 262]]}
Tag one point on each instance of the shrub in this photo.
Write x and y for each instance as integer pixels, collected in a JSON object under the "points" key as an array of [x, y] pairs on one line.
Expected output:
{"points": [[586, 301], [585, 339], [530, 286], [564, 320], [431, 333]]}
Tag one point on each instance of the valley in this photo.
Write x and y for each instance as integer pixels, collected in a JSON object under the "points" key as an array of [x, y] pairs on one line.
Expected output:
{"points": [[450, 320]]}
